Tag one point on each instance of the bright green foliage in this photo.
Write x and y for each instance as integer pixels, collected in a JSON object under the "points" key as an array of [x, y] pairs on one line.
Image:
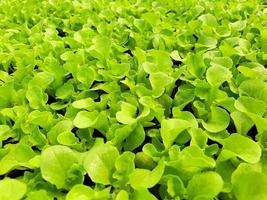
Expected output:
{"points": [[59, 166], [218, 120], [143, 178], [242, 147], [133, 99], [85, 119], [206, 185], [99, 163], [82, 192], [171, 128], [12, 189], [249, 182], [20, 155]]}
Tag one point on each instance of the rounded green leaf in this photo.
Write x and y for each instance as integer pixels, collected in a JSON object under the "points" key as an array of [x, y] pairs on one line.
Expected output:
{"points": [[125, 162], [242, 122], [195, 64], [171, 128], [67, 138], [208, 20], [42, 79], [142, 160], [250, 105], [87, 103], [122, 195], [159, 81], [12, 189], [124, 165], [216, 75], [55, 164], [85, 119], [149, 178], [86, 76], [207, 42], [99, 162], [255, 88], [175, 55], [183, 97], [206, 185], [222, 31], [19, 155], [249, 183], [218, 120], [61, 126], [185, 115], [143, 194], [175, 186], [222, 61], [36, 97], [83, 192], [127, 113], [238, 25], [194, 158], [39, 194], [135, 139], [65, 91], [80, 192], [198, 137], [119, 69], [43, 119], [4, 129], [243, 147]]}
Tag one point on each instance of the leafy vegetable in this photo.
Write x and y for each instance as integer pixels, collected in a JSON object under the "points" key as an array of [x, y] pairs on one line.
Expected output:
{"points": [[242, 147], [133, 100], [171, 128], [57, 165], [205, 185], [248, 182], [99, 163], [149, 178], [218, 120], [12, 189]]}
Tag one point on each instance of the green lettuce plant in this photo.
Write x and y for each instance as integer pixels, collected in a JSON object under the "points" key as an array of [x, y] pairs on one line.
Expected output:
{"points": [[133, 100]]}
